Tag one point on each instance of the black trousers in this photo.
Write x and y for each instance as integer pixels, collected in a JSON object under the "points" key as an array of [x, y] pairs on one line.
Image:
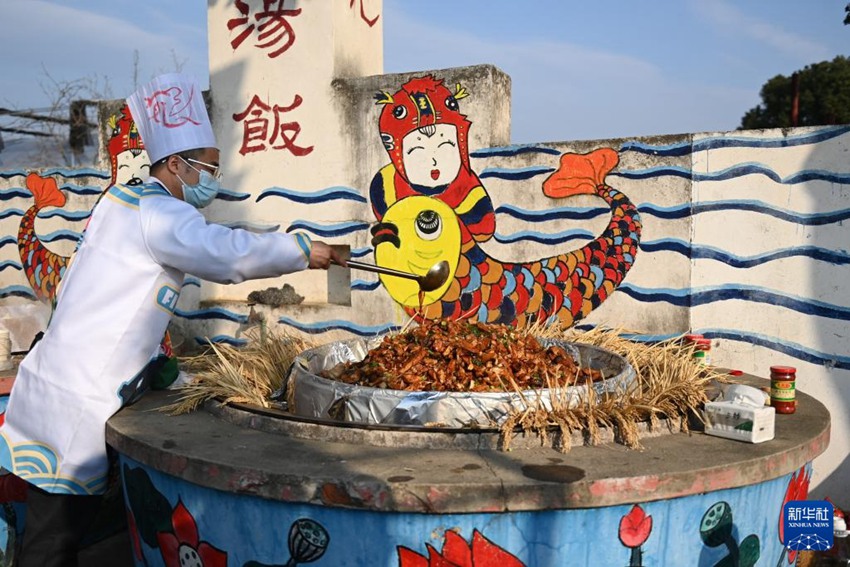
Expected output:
{"points": [[55, 526]]}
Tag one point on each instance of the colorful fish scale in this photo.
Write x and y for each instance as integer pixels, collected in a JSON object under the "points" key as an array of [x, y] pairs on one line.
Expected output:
{"points": [[43, 268], [567, 287]]}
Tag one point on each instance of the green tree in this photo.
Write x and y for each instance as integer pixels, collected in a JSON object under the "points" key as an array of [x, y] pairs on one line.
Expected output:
{"points": [[824, 97]]}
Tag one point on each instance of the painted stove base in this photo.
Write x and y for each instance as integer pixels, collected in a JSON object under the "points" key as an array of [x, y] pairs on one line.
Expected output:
{"points": [[210, 527]]}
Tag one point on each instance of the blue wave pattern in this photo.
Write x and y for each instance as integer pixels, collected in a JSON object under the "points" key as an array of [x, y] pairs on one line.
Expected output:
{"points": [[515, 173], [17, 291], [692, 251], [232, 196], [14, 193], [338, 325], [719, 142], [329, 230], [733, 172], [552, 239], [363, 285], [84, 190], [10, 264], [62, 172], [792, 349], [24, 193], [514, 150], [756, 294], [65, 215], [225, 339], [210, 313], [681, 148], [253, 226], [76, 173], [336, 193], [11, 213], [697, 251], [677, 212], [63, 234]]}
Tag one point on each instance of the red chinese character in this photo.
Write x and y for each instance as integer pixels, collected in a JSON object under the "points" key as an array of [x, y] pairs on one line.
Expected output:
{"points": [[256, 134], [273, 26], [172, 107], [370, 21]]}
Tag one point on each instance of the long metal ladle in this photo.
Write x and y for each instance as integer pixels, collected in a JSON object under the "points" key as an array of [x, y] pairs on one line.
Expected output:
{"points": [[433, 279]]}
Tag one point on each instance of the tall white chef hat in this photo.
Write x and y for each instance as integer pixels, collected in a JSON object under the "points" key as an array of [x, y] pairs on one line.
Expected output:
{"points": [[171, 116]]}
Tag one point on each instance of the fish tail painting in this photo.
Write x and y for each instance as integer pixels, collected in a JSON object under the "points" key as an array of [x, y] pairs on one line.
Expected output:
{"points": [[419, 230], [43, 268]]}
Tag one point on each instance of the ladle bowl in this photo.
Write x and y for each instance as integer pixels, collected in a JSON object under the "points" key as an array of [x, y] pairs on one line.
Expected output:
{"points": [[436, 276]]}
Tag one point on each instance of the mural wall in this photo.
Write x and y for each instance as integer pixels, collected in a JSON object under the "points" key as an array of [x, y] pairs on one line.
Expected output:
{"points": [[739, 236]]}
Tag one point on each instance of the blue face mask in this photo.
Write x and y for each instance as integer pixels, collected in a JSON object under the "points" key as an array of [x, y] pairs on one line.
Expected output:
{"points": [[204, 191]]}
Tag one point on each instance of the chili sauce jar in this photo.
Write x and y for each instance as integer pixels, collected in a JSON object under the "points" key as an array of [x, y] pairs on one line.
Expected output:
{"points": [[701, 348], [783, 388]]}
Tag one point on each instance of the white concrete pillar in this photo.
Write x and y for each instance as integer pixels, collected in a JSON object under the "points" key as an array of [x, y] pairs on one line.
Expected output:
{"points": [[271, 67]]}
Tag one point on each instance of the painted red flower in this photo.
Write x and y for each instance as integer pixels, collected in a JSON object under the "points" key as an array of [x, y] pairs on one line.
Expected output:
{"points": [[798, 489], [458, 553], [184, 543], [635, 527]]}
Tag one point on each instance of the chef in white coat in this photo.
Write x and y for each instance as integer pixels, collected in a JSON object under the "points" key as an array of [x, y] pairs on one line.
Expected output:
{"points": [[113, 307]]}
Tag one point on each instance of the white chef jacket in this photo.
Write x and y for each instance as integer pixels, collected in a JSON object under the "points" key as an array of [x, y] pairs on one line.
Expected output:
{"points": [[112, 310]]}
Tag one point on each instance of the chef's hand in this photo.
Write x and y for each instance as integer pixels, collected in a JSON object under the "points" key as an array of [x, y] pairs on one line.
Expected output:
{"points": [[322, 256]]}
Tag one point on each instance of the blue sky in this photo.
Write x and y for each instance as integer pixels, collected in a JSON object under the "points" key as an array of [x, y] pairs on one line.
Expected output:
{"points": [[580, 70]]}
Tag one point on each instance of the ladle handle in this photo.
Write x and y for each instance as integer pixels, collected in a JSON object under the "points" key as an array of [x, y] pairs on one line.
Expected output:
{"points": [[381, 270]]}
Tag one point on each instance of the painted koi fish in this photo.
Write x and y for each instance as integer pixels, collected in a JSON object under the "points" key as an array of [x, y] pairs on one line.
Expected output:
{"points": [[44, 269], [566, 287]]}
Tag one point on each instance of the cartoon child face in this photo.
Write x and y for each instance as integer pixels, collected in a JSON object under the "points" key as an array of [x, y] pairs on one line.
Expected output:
{"points": [[133, 167], [431, 161]]}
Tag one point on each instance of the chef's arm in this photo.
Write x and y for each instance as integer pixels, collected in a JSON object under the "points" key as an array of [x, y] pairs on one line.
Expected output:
{"points": [[177, 235]]}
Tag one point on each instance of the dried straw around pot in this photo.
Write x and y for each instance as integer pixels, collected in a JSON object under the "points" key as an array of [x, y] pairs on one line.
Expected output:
{"points": [[246, 374], [670, 385]]}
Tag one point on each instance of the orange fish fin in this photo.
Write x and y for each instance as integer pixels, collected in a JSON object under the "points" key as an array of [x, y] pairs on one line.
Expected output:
{"points": [[45, 191], [580, 173]]}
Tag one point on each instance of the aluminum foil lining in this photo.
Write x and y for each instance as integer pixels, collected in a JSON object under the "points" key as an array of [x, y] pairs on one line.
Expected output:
{"points": [[311, 395]]}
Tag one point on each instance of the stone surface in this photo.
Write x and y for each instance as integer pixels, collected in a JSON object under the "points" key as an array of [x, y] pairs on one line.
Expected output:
{"points": [[211, 452], [276, 296]]}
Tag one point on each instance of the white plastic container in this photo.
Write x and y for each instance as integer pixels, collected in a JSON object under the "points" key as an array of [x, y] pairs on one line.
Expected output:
{"points": [[743, 422]]}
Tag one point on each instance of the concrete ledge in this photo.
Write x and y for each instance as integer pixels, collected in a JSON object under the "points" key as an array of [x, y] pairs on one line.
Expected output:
{"points": [[279, 422], [206, 450]]}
